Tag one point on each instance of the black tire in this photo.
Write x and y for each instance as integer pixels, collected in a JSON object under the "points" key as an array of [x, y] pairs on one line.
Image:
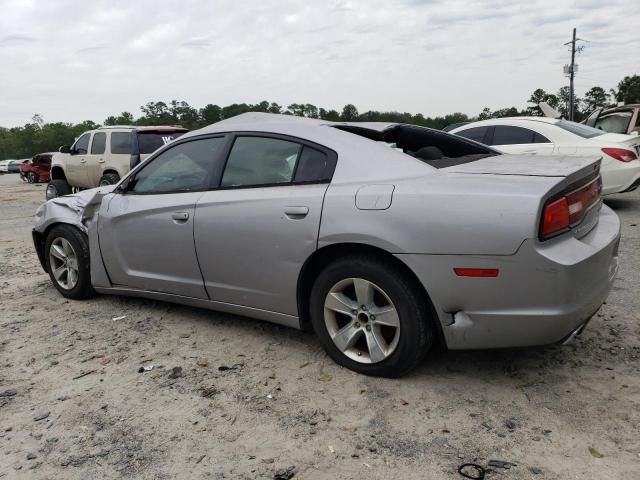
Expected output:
{"points": [[80, 245], [417, 333], [109, 179], [57, 188], [32, 177]]}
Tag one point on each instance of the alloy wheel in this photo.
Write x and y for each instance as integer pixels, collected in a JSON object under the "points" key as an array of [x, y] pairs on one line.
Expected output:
{"points": [[361, 320], [63, 262]]}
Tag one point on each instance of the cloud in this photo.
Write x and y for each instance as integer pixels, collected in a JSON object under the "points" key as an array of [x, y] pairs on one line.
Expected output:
{"points": [[428, 56], [17, 39]]}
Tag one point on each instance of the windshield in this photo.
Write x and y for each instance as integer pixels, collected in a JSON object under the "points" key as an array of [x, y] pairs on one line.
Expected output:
{"points": [[150, 141], [579, 129]]}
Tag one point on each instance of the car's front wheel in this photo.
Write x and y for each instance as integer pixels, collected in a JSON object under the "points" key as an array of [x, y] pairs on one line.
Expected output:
{"points": [[32, 177], [109, 179], [370, 316], [67, 258], [57, 188]]}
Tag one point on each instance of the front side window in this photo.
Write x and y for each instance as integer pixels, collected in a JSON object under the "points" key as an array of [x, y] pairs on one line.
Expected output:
{"points": [[82, 144], [98, 143], [476, 133], [121, 143], [508, 135], [257, 161], [183, 168]]}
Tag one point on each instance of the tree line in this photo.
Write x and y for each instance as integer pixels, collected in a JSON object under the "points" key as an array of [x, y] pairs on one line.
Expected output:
{"points": [[38, 136]]}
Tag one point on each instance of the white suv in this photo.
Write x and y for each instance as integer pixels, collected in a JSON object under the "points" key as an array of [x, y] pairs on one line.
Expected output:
{"points": [[103, 156]]}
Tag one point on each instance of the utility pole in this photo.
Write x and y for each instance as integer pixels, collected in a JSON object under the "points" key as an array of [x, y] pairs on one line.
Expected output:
{"points": [[571, 70]]}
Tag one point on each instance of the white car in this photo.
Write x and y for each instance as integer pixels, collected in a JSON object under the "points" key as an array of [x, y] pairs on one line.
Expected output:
{"points": [[549, 136], [4, 166]]}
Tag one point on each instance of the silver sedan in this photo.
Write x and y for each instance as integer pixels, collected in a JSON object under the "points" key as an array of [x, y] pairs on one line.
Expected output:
{"points": [[385, 239]]}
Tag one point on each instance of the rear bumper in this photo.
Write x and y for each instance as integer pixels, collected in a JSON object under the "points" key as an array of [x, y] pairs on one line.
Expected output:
{"points": [[624, 178], [542, 294]]}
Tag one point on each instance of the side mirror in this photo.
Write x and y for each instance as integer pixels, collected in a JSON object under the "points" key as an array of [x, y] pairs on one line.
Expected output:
{"points": [[65, 149]]}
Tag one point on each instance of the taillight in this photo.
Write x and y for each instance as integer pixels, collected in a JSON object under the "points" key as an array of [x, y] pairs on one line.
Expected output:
{"points": [[561, 214], [555, 218], [620, 154]]}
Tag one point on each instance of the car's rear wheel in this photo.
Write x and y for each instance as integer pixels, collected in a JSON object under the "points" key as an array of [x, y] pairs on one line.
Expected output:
{"points": [[370, 316], [57, 188], [67, 259], [109, 179], [32, 177]]}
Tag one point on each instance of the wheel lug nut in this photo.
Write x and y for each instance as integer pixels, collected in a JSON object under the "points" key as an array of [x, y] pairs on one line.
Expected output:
{"points": [[363, 308], [368, 328], [357, 325], [354, 312], [372, 317]]}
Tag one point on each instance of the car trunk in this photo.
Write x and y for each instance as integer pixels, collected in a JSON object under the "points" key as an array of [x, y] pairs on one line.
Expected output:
{"points": [[618, 140], [576, 195]]}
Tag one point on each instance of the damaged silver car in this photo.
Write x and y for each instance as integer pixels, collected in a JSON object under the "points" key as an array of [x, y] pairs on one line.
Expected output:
{"points": [[385, 239]]}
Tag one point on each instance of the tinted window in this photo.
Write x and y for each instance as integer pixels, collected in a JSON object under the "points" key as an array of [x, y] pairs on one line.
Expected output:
{"points": [[578, 129], [507, 135], [260, 161], [149, 142], [314, 166], [182, 168], [121, 142], [476, 133], [98, 143], [537, 138], [82, 144]]}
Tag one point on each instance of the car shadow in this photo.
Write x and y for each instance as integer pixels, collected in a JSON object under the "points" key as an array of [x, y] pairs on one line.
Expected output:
{"points": [[521, 364], [623, 202]]}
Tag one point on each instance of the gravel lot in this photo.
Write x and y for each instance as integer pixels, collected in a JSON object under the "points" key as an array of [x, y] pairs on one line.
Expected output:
{"points": [[254, 399]]}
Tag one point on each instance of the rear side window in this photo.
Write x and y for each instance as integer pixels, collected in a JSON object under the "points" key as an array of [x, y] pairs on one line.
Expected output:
{"points": [[121, 143], [314, 166], [98, 143], [81, 146], [537, 138], [508, 135], [476, 133], [257, 161], [149, 142]]}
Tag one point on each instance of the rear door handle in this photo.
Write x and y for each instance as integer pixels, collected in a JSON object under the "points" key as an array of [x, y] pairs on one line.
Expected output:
{"points": [[101, 160], [180, 216], [296, 212]]}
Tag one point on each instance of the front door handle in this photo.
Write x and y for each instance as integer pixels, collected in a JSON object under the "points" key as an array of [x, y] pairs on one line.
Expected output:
{"points": [[296, 212], [180, 216]]}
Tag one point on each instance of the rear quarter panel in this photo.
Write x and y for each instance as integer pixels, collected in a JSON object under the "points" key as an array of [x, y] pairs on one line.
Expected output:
{"points": [[441, 214]]}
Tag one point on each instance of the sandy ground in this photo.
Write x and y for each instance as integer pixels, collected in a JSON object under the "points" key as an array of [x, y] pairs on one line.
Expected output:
{"points": [[556, 412]]}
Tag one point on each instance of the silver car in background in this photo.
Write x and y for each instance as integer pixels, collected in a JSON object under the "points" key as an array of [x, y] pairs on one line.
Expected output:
{"points": [[385, 239]]}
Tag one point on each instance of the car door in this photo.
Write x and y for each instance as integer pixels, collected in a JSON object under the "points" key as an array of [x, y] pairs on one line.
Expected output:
{"points": [[255, 231], [95, 158], [75, 168], [146, 231], [520, 140]]}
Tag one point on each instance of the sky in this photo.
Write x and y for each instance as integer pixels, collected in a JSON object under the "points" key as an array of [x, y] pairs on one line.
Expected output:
{"points": [[74, 60]]}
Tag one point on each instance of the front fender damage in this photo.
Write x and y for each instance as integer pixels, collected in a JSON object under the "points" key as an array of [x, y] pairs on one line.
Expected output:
{"points": [[79, 210]]}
